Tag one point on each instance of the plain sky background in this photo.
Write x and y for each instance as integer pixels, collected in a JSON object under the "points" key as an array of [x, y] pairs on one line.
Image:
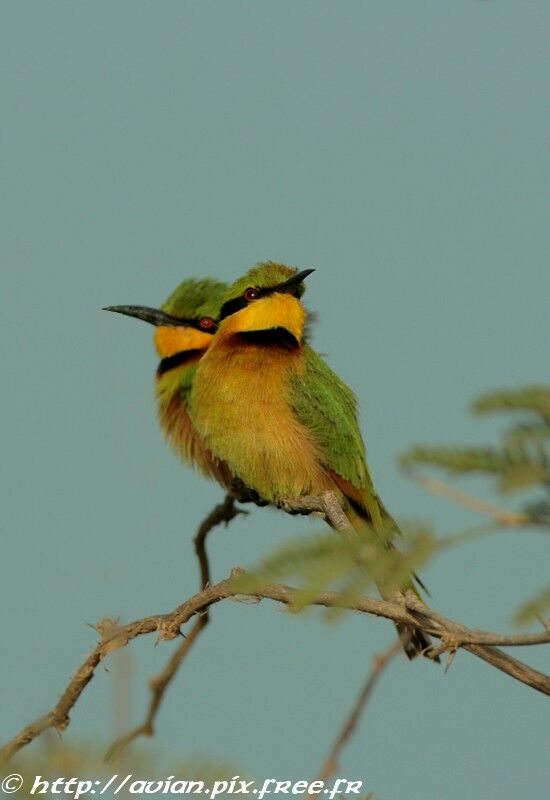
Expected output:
{"points": [[402, 149]]}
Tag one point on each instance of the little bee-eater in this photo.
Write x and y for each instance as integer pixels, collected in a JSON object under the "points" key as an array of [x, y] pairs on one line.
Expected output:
{"points": [[268, 406], [184, 329]]}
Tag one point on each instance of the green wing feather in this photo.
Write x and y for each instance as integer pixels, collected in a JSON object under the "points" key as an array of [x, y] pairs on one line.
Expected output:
{"points": [[328, 408]]}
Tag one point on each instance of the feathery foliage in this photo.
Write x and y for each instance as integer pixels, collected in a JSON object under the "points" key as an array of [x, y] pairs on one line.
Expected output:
{"points": [[529, 398], [521, 461], [348, 565]]}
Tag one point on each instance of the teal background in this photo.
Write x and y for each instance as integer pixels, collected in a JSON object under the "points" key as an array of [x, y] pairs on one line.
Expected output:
{"points": [[400, 148]]}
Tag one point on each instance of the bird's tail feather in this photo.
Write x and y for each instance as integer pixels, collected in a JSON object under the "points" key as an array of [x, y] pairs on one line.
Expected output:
{"points": [[414, 641]]}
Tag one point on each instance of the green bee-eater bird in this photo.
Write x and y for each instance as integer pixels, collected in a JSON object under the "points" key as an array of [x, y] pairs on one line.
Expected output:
{"points": [[184, 329], [268, 406]]}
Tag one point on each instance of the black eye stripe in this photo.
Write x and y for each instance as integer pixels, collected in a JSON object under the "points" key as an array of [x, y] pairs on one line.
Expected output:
{"points": [[232, 306], [237, 303]]}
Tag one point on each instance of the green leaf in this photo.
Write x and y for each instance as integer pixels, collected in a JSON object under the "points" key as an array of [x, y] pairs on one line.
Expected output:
{"points": [[520, 463], [529, 398], [347, 565]]}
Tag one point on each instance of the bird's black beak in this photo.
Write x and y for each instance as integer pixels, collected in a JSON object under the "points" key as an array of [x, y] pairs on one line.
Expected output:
{"points": [[153, 315], [293, 282]]}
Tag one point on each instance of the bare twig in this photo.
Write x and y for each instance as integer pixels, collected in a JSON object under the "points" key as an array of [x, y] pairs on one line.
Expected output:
{"points": [[406, 610], [380, 662], [158, 685], [503, 516], [223, 512], [327, 505], [167, 626]]}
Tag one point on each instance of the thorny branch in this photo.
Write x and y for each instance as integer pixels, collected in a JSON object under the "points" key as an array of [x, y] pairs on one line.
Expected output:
{"points": [[167, 626], [407, 610]]}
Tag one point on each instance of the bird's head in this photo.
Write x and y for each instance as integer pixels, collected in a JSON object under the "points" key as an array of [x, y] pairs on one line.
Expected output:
{"points": [[185, 324], [267, 298]]}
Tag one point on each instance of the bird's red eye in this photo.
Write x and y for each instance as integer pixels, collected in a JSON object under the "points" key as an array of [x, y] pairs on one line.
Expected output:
{"points": [[207, 323], [251, 294]]}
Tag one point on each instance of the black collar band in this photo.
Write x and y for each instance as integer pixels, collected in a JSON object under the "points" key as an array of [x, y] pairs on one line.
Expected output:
{"points": [[177, 360]]}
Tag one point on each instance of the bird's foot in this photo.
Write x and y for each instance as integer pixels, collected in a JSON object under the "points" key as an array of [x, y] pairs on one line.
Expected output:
{"points": [[243, 494]]}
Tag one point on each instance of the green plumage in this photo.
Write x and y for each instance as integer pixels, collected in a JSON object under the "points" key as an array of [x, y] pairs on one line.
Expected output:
{"points": [[269, 406], [327, 407], [265, 275], [196, 298]]}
